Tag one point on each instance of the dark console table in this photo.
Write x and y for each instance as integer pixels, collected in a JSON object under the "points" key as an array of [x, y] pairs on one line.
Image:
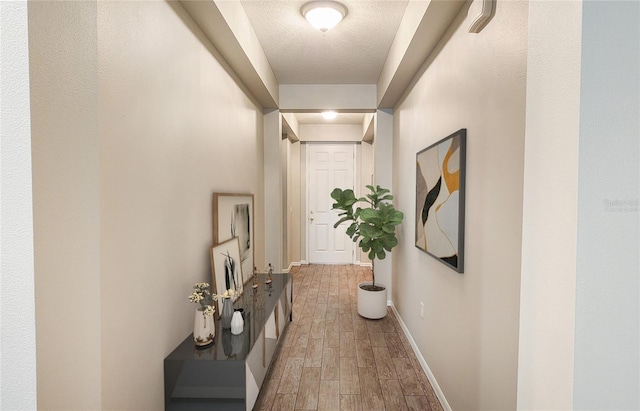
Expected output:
{"points": [[228, 374]]}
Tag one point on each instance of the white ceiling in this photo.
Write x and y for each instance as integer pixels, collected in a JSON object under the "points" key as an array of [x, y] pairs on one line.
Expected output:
{"points": [[351, 53]]}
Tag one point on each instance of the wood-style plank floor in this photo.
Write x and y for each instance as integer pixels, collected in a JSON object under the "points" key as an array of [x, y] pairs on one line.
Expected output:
{"points": [[333, 359]]}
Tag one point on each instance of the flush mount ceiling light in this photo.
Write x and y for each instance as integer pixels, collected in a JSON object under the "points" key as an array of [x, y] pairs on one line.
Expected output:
{"points": [[329, 115], [323, 15]]}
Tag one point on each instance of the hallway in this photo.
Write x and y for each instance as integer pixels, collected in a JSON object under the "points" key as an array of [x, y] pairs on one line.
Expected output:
{"points": [[123, 118], [333, 359]]}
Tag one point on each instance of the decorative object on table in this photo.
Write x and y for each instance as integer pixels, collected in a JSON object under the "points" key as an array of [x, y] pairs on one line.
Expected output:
{"points": [[440, 187], [227, 348], [203, 327], [237, 344], [269, 274], [227, 309], [373, 229], [226, 271], [237, 323], [207, 352], [255, 278], [233, 218], [232, 344]]}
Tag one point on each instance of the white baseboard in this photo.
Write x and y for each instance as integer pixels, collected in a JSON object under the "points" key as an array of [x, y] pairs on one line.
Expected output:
{"points": [[294, 264], [361, 264], [423, 362]]}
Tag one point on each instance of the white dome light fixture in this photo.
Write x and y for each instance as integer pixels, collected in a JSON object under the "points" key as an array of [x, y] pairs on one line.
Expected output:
{"points": [[329, 115], [324, 15]]}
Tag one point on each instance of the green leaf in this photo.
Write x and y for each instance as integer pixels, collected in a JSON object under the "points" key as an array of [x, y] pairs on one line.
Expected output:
{"points": [[372, 228], [351, 230], [369, 214], [389, 241], [342, 220], [370, 231], [336, 194]]}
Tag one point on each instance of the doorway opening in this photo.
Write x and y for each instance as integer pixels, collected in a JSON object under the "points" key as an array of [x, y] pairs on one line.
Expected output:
{"points": [[317, 156]]}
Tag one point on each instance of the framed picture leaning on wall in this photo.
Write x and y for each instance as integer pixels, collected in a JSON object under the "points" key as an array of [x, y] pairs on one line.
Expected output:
{"points": [[233, 218], [226, 270]]}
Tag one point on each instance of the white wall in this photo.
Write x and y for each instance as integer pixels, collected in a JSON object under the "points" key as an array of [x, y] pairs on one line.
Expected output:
{"points": [[124, 192], [469, 336], [17, 311], [607, 294]]}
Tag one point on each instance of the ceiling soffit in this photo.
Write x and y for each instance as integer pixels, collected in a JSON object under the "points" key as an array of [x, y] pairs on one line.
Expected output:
{"points": [[242, 51]]}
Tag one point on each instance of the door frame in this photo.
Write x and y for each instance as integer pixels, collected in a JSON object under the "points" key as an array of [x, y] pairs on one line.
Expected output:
{"points": [[356, 173]]}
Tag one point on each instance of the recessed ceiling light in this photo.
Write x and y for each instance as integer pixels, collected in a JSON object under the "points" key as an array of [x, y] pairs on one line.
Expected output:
{"points": [[324, 15], [329, 115]]}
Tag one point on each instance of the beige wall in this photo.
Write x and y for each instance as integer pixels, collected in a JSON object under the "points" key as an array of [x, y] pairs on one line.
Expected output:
{"points": [[549, 238], [330, 132], [295, 215], [582, 114], [133, 133], [364, 177], [66, 203], [469, 334]]}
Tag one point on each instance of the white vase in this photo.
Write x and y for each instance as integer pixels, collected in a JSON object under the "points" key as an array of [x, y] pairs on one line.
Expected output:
{"points": [[237, 323], [203, 328], [372, 304]]}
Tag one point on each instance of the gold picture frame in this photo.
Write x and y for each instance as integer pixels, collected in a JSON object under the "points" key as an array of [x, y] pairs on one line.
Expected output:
{"points": [[233, 217], [226, 270]]}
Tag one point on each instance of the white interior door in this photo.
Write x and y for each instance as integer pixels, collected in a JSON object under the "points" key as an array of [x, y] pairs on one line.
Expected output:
{"points": [[329, 166]]}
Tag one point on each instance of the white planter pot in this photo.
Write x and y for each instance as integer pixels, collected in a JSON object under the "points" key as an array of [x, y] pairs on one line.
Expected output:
{"points": [[372, 304]]}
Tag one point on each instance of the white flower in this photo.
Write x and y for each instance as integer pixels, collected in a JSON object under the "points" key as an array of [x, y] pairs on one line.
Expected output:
{"points": [[209, 310], [201, 295], [229, 293], [195, 297]]}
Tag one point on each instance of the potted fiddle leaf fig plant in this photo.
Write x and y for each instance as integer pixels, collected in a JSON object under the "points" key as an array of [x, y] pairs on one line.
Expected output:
{"points": [[373, 228]]}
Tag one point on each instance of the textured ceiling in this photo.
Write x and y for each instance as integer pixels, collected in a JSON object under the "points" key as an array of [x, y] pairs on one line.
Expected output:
{"points": [[351, 53]]}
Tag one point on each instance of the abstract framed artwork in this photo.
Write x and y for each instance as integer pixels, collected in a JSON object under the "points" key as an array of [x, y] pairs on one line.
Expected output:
{"points": [[226, 270], [233, 218], [440, 187]]}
